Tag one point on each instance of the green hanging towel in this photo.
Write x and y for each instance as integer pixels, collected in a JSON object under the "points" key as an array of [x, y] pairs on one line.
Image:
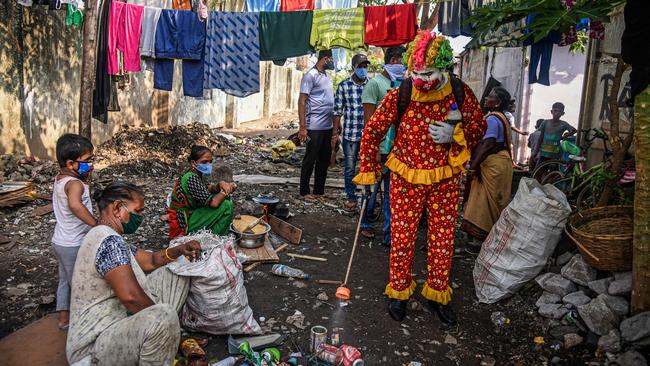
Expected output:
{"points": [[284, 35], [338, 28], [74, 16]]}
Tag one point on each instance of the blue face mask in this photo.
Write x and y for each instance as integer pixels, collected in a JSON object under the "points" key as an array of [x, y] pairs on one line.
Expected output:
{"points": [[329, 65], [361, 73], [84, 168], [395, 71], [205, 169]]}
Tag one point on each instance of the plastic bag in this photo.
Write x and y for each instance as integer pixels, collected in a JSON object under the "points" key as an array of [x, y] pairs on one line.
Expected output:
{"points": [[521, 241], [217, 302]]}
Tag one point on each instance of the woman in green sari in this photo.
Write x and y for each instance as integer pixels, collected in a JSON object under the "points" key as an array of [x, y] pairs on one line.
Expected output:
{"points": [[196, 205]]}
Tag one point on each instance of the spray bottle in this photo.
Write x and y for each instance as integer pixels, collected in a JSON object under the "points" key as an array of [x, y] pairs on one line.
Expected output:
{"points": [[453, 115]]}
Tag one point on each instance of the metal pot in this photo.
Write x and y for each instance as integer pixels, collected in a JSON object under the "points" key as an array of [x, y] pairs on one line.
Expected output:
{"points": [[250, 241]]}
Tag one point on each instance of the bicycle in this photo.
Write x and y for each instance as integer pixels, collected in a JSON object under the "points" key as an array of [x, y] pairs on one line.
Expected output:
{"points": [[583, 187]]}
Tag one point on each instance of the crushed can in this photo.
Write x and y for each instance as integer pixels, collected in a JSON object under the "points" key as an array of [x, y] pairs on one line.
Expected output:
{"points": [[351, 356], [335, 337], [328, 353]]}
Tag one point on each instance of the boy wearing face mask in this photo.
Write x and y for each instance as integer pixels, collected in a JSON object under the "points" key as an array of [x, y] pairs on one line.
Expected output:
{"points": [[347, 104], [426, 164], [72, 208]]}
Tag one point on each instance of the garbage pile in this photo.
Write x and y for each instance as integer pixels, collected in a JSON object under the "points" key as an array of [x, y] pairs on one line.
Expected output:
{"points": [[26, 168], [585, 305], [167, 144]]}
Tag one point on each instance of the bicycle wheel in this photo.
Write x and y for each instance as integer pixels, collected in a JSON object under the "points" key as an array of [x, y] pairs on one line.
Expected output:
{"points": [[588, 197], [549, 167]]}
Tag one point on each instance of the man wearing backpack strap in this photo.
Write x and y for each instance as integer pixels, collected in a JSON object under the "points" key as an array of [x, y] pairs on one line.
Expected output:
{"points": [[426, 165]]}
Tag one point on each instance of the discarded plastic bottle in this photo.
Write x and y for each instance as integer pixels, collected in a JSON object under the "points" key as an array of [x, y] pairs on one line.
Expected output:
{"points": [[286, 271], [230, 361], [499, 319], [453, 115]]}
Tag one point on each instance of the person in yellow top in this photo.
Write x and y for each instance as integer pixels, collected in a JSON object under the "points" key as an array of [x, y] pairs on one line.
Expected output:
{"points": [[426, 165]]}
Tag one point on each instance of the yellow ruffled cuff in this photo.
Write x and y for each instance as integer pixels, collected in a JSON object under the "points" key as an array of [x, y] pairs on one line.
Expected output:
{"points": [[400, 295], [443, 297], [459, 159], [421, 176], [367, 179]]}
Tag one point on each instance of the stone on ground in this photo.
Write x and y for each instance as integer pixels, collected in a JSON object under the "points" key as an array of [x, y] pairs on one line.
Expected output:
{"points": [[600, 286], [548, 298], [556, 284], [553, 311], [576, 298], [631, 358], [622, 286], [618, 304], [572, 340], [564, 258], [636, 329], [610, 342], [598, 317], [579, 271]]}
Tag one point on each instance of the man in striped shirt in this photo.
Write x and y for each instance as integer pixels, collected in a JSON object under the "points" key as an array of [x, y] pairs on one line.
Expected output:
{"points": [[347, 104]]}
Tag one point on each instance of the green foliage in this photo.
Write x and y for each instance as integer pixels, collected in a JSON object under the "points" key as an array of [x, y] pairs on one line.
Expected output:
{"points": [[552, 15], [581, 43]]}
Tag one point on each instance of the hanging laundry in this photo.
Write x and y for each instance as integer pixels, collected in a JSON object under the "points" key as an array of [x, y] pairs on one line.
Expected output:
{"points": [[284, 35], [102, 92], [74, 16], [124, 26], [295, 5], [232, 53], [180, 34], [336, 4], [262, 5], [453, 15], [227, 5], [148, 37], [337, 28], [162, 4], [391, 25], [541, 54], [340, 58]]}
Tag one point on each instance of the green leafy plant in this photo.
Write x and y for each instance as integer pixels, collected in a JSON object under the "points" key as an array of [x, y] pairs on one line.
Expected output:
{"points": [[552, 15]]}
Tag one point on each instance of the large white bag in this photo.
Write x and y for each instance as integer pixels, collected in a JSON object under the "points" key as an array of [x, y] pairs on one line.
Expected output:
{"points": [[521, 241], [217, 302]]}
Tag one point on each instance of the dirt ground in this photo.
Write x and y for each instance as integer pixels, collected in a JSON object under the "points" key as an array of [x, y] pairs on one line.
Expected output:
{"points": [[28, 276]]}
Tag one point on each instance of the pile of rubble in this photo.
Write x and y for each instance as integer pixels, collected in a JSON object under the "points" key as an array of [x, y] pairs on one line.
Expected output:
{"points": [[585, 305], [26, 168], [162, 144]]}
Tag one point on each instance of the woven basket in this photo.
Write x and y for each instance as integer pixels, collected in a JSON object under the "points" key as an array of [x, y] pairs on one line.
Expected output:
{"points": [[604, 236]]}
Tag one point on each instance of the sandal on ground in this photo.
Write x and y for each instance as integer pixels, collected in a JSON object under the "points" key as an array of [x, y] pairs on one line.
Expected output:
{"points": [[310, 198], [368, 234]]}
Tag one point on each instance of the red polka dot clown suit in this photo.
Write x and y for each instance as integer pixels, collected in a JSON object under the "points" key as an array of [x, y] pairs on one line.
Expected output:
{"points": [[424, 174]]}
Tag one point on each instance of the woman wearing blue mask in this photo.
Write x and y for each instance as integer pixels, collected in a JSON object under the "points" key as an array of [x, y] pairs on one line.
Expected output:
{"points": [[196, 205]]}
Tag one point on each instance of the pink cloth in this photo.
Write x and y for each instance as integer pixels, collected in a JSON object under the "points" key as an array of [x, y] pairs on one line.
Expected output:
{"points": [[124, 25]]}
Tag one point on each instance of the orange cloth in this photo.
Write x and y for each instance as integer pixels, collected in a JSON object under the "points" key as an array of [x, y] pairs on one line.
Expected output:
{"points": [[295, 5], [181, 4]]}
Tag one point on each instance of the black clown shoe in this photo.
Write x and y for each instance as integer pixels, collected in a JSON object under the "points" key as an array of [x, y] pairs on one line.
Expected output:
{"points": [[444, 312], [397, 309]]}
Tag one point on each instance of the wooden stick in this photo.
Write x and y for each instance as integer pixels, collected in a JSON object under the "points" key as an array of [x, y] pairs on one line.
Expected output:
{"points": [[308, 257], [356, 238], [328, 282], [252, 266]]}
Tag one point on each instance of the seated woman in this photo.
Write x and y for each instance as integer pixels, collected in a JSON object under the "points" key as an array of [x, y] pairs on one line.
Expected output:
{"points": [[490, 171], [118, 314], [196, 205]]}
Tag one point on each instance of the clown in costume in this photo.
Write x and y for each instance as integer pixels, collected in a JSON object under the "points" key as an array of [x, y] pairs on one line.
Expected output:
{"points": [[426, 165]]}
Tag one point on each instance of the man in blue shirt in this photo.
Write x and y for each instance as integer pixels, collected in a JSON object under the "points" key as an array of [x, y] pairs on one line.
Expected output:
{"points": [[347, 104], [315, 106]]}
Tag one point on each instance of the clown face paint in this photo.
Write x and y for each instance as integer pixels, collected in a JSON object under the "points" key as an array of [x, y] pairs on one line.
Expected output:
{"points": [[429, 79]]}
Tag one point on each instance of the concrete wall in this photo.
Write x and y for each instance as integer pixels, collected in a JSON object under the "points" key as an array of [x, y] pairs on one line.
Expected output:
{"points": [[39, 90]]}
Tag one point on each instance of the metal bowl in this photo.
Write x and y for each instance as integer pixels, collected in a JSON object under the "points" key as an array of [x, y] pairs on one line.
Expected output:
{"points": [[250, 241]]}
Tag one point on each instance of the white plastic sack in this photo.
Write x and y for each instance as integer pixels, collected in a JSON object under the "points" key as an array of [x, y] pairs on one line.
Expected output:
{"points": [[217, 302], [521, 241]]}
